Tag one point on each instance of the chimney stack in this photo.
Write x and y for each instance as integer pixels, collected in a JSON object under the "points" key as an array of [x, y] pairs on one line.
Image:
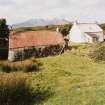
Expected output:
{"points": [[57, 29]]}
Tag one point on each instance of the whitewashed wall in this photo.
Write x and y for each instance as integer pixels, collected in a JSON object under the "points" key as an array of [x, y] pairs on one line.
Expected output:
{"points": [[101, 36], [11, 55], [76, 35], [88, 39]]}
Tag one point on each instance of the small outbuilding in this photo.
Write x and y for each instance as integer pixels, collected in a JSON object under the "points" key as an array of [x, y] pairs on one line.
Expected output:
{"points": [[23, 45], [86, 33]]}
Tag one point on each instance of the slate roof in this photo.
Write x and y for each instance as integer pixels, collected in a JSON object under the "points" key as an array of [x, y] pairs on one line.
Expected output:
{"points": [[89, 27]]}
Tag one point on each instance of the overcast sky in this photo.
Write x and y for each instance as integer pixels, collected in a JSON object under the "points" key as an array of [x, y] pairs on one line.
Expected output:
{"points": [[20, 10]]}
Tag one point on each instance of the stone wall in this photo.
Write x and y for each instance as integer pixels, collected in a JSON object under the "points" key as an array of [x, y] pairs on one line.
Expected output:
{"points": [[41, 51]]}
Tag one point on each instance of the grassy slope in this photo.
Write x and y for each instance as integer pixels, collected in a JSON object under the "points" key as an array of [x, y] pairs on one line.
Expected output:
{"points": [[75, 80]]}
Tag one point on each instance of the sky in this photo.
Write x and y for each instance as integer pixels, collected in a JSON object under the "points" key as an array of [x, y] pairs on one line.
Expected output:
{"points": [[16, 11]]}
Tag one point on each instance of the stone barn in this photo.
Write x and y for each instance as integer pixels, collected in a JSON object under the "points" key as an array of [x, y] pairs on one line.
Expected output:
{"points": [[23, 45]]}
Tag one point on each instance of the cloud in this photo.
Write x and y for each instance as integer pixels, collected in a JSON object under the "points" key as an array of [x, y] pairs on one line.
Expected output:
{"points": [[21, 10], [6, 2]]}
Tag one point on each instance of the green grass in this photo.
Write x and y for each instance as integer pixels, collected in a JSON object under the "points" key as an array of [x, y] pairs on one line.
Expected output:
{"points": [[39, 28], [73, 78]]}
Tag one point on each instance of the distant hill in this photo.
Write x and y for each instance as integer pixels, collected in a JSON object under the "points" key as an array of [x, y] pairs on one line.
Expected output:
{"points": [[41, 22]]}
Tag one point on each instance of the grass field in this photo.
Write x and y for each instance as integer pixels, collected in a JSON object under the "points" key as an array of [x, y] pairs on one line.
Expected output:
{"points": [[73, 79]]}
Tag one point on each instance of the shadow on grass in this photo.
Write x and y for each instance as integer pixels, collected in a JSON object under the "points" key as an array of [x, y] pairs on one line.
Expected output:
{"points": [[16, 90], [41, 96], [24, 97]]}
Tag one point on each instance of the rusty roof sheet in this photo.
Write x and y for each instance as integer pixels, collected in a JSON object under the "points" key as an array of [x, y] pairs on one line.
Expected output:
{"points": [[35, 38]]}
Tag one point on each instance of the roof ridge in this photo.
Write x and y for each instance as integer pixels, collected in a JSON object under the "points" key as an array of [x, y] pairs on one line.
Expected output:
{"points": [[87, 23]]}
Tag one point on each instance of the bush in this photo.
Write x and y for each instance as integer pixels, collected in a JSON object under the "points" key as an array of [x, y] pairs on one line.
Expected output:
{"points": [[25, 66], [5, 68], [97, 53], [3, 53], [31, 68], [15, 90], [41, 93]]}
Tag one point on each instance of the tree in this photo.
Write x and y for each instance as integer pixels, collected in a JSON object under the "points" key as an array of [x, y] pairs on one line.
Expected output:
{"points": [[65, 30], [4, 30]]}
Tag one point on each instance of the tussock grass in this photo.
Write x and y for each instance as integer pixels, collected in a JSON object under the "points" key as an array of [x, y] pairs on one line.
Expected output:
{"points": [[17, 89], [98, 52], [25, 66], [14, 90]]}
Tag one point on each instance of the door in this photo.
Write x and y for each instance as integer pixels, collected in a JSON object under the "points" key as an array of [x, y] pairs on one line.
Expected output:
{"points": [[95, 39]]}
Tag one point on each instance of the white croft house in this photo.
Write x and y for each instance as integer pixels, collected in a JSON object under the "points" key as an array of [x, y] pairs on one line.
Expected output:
{"points": [[86, 33]]}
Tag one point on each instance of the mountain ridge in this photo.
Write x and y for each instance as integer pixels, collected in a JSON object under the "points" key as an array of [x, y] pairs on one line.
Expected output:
{"points": [[41, 22]]}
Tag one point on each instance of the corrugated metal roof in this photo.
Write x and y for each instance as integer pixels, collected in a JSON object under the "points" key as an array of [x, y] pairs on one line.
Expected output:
{"points": [[89, 27], [35, 38]]}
